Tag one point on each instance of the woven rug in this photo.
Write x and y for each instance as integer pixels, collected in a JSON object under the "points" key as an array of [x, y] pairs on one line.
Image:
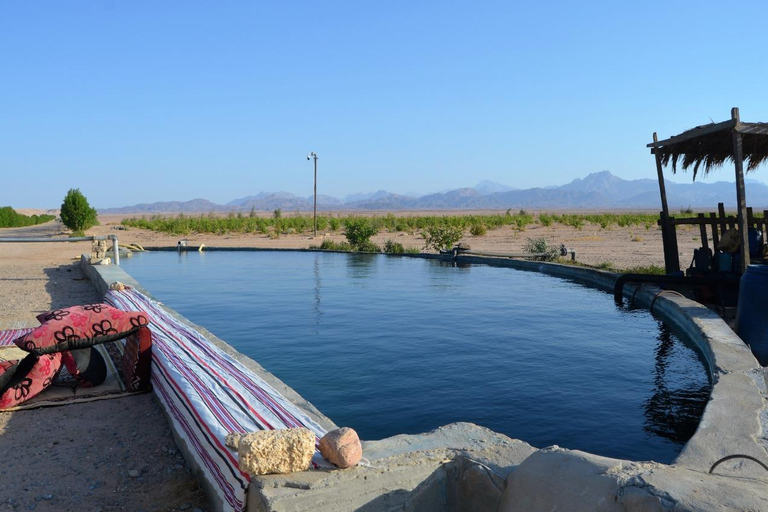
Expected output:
{"points": [[65, 390]]}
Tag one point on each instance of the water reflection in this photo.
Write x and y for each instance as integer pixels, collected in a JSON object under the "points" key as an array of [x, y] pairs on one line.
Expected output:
{"points": [[318, 287], [361, 266], [675, 408]]}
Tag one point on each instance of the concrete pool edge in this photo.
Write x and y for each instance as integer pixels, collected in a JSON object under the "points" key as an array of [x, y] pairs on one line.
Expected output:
{"points": [[731, 424]]}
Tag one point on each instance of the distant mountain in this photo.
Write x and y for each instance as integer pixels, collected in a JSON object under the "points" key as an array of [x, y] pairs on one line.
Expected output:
{"points": [[486, 187], [193, 206], [370, 196], [597, 190]]}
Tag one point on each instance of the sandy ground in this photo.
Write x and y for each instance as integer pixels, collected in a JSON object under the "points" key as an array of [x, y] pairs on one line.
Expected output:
{"points": [[623, 248], [78, 457]]}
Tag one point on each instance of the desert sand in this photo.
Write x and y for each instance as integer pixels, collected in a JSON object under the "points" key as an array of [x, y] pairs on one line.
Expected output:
{"points": [[118, 454]]}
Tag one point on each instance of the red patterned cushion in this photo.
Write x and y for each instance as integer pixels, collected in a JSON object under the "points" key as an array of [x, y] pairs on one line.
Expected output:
{"points": [[25, 385], [7, 370], [137, 360], [80, 327]]}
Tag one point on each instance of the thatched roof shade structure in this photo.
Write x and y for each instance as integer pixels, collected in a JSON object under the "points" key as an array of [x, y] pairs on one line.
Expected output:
{"points": [[705, 148], [709, 146]]}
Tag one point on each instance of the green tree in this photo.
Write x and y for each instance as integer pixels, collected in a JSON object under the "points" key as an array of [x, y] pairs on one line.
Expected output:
{"points": [[358, 231], [76, 213]]}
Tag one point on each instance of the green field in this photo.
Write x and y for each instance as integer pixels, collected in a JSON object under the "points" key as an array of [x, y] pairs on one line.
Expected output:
{"points": [[298, 223]]}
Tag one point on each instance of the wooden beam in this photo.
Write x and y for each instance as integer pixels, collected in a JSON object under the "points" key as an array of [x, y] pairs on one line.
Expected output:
{"points": [[671, 258], [662, 186], [695, 132], [696, 221], [752, 128], [738, 162]]}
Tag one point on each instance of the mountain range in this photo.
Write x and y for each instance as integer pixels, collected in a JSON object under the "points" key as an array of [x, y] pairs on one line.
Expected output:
{"points": [[600, 190]]}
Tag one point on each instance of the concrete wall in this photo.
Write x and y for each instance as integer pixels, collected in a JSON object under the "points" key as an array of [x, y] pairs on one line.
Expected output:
{"points": [[466, 467]]}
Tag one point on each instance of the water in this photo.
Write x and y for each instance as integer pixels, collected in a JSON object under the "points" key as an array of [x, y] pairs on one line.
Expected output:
{"points": [[398, 345]]}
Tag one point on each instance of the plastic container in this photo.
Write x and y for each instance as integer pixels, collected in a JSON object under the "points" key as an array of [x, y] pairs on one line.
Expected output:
{"points": [[752, 311]]}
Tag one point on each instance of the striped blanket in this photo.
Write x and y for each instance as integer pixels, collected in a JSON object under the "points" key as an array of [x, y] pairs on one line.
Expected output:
{"points": [[208, 394]]}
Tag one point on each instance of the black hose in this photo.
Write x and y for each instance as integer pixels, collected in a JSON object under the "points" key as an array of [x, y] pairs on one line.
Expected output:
{"points": [[736, 456], [623, 279]]}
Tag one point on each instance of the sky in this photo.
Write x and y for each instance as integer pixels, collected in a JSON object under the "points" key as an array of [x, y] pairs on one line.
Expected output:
{"points": [[144, 101]]}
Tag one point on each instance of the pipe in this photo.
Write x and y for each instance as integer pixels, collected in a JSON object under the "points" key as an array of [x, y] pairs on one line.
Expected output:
{"points": [[623, 279], [72, 239], [115, 249]]}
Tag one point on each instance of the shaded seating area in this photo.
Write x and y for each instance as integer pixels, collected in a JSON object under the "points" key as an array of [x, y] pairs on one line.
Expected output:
{"points": [[703, 149]]}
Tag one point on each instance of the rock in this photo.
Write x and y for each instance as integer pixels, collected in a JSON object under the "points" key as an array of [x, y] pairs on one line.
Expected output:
{"points": [[276, 451], [341, 447], [461, 246], [233, 440], [134, 473]]}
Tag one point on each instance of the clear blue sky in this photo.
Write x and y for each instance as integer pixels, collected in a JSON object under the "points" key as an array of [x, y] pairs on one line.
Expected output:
{"points": [[143, 101]]}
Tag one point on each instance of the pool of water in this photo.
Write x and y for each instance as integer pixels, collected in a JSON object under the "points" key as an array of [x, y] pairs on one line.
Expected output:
{"points": [[391, 345]]}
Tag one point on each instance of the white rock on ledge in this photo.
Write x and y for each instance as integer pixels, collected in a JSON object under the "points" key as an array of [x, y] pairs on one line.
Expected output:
{"points": [[276, 451]]}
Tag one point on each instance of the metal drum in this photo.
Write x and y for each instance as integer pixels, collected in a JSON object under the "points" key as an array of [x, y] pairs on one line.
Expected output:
{"points": [[752, 311]]}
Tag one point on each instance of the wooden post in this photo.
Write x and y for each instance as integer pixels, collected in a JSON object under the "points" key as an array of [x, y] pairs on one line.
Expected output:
{"points": [[738, 161], [668, 234], [703, 231], [721, 211], [715, 235]]}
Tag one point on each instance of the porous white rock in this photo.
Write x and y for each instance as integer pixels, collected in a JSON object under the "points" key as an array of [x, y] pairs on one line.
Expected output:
{"points": [[276, 451]]}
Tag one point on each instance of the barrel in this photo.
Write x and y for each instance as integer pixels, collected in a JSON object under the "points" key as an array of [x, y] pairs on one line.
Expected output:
{"points": [[752, 311]]}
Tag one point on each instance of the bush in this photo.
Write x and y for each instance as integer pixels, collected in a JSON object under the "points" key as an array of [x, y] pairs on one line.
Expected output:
{"points": [[368, 246], [478, 230], [330, 245], [76, 213], [392, 247], [442, 237], [540, 246], [358, 230]]}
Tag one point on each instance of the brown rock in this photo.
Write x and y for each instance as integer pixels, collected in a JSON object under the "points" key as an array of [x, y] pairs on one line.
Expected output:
{"points": [[276, 451], [341, 447]]}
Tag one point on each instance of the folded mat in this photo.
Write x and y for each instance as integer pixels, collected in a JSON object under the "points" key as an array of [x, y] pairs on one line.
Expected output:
{"points": [[208, 394]]}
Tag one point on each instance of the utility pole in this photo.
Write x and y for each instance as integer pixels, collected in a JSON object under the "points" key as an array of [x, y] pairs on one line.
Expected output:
{"points": [[313, 155]]}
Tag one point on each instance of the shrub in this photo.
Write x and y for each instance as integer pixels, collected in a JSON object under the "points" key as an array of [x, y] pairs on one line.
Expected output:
{"points": [[334, 223], [442, 237], [478, 230], [540, 246], [412, 250], [368, 246], [392, 247], [358, 230], [330, 245], [76, 213]]}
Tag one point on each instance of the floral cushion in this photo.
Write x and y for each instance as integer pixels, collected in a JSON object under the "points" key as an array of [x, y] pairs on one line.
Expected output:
{"points": [[79, 327], [33, 375]]}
